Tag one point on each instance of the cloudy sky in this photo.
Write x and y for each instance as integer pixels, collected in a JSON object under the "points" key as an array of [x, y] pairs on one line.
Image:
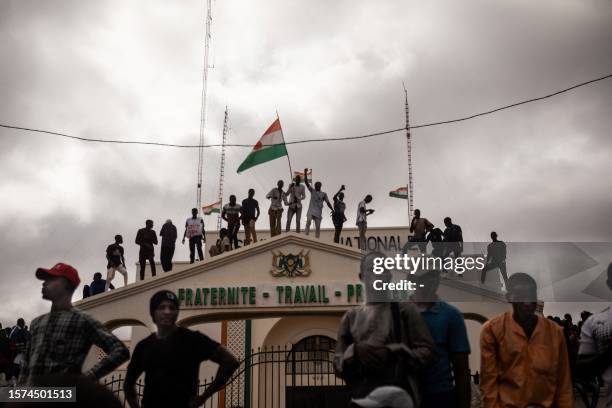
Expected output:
{"points": [[133, 71]]}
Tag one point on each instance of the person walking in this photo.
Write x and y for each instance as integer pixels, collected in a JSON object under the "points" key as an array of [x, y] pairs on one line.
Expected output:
{"points": [[277, 197], [146, 238], [338, 216], [168, 234], [194, 232], [170, 359], [61, 339], [115, 262], [362, 221], [315, 208], [250, 214], [231, 214], [296, 194]]}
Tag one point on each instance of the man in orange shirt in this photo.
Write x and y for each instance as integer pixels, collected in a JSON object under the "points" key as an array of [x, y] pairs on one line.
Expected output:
{"points": [[524, 359]]}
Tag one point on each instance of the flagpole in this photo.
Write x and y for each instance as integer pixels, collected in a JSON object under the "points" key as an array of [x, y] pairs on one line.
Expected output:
{"points": [[409, 185], [288, 158]]}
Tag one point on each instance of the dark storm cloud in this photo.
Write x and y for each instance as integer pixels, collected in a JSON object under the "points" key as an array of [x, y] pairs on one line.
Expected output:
{"points": [[133, 71]]}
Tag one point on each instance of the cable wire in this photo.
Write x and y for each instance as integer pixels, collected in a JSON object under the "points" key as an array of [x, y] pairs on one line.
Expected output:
{"points": [[135, 142]]}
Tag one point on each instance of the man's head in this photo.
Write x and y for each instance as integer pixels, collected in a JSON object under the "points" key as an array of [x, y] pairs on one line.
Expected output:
{"points": [[298, 179], [523, 294], [168, 221], [118, 239], [340, 196], [21, 322], [609, 281], [494, 236], [448, 222], [194, 212], [280, 184], [368, 199], [368, 276], [417, 213], [149, 224], [430, 279], [318, 186], [233, 199], [568, 317], [164, 307], [58, 282], [97, 276], [251, 193]]}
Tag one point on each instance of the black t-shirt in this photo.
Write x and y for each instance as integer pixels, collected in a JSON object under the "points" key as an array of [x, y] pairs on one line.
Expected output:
{"points": [[171, 366], [249, 212], [114, 254]]}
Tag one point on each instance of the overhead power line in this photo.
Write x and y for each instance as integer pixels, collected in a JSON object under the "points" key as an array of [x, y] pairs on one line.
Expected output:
{"points": [[444, 122]]}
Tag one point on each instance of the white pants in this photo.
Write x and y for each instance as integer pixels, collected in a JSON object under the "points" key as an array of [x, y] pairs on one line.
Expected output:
{"points": [[110, 275], [317, 222]]}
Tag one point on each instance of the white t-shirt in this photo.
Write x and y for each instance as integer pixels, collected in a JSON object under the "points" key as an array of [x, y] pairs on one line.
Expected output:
{"points": [[596, 332], [194, 226], [361, 217]]}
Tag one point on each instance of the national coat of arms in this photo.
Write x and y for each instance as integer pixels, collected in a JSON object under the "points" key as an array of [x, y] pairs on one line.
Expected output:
{"points": [[290, 265]]}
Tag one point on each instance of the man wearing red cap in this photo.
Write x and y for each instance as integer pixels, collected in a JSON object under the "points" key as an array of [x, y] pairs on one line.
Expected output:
{"points": [[60, 340]]}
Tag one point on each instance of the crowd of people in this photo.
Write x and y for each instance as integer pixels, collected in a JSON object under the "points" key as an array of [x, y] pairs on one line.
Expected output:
{"points": [[415, 354]]}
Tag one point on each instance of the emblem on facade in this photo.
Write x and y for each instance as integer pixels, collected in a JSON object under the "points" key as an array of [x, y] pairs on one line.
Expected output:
{"points": [[290, 265]]}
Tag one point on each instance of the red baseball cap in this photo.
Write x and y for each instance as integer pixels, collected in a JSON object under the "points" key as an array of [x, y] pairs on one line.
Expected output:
{"points": [[60, 269]]}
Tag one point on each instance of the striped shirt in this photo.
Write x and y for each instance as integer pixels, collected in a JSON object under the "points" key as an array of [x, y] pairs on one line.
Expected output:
{"points": [[60, 341]]}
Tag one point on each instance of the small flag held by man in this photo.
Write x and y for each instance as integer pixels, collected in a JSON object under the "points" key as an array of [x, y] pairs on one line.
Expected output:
{"points": [[401, 192], [269, 147], [212, 208], [303, 176]]}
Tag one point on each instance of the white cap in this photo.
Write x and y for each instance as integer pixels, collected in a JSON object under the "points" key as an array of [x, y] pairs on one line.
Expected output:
{"points": [[387, 396]]}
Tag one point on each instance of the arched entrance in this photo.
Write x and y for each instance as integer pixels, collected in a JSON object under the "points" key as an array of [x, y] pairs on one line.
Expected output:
{"points": [[310, 377]]}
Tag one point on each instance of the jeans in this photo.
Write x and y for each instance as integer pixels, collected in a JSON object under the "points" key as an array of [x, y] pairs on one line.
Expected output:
{"points": [[142, 260], [193, 243], [249, 229], [298, 215], [232, 229]]}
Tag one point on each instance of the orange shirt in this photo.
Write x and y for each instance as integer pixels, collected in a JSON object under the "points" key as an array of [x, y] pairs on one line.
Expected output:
{"points": [[517, 371]]}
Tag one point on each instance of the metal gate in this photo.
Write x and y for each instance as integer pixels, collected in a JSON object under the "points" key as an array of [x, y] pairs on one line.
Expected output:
{"points": [[297, 376]]}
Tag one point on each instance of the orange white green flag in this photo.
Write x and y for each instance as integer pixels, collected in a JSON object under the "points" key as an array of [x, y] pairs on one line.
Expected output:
{"points": [[401, 192], [212, 208], [302, 176], [269, 147]]}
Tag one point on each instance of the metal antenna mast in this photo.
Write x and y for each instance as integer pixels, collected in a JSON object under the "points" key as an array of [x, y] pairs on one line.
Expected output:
{"points": [[409, 146], [222, 171], [207, 40]]}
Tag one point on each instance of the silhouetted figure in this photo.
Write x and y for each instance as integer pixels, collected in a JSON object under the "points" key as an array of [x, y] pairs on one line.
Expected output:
{"points": [[86, 292], [496, 258], [171, 358], [419, 228], [524, 360], [295, 195], [277, 197], [194, 232], [98, 285], [315, 208], [115, 261], [453, 238], [146, 238], [250, 214], [445, 383], [62, 339], [338, 216], [231, 214], [362, 221], [19, 338], [435, 236], [168, 234]]}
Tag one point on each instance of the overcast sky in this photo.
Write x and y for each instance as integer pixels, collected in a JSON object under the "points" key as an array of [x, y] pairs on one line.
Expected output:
{"points": [[133, 71]]}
